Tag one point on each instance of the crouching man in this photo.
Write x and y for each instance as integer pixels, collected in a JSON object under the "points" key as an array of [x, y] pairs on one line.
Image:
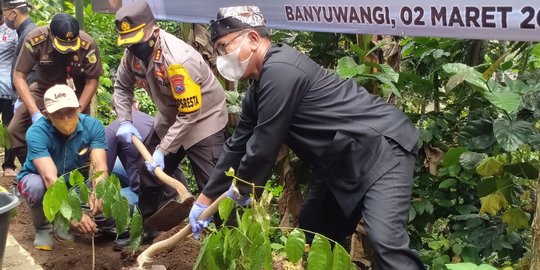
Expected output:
{"points": [[58, 143]]}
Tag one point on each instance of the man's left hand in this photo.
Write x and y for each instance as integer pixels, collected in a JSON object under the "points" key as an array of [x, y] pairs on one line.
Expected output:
{"points": [[158, 160]]}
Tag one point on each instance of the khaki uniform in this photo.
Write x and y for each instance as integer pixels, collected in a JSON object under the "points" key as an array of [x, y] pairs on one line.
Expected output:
{"points": [[174, 128], [199, 135], [52, 68]]}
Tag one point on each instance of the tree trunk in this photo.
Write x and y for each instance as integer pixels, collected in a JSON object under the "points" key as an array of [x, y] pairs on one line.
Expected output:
{"points": [[535, 246]]}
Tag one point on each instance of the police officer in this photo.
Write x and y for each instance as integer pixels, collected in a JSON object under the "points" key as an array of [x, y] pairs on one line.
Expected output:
{"points": [[16, 17], [190, 101], [362, 150], [62, 55]]}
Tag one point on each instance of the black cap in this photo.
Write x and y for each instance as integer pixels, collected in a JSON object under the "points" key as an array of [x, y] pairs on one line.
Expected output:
{"points": [[234, 19], [11, 4], [65, 30], [134, 22]]}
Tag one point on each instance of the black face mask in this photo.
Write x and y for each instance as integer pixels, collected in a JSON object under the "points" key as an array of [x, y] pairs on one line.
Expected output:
{"points": [[143, 50]]}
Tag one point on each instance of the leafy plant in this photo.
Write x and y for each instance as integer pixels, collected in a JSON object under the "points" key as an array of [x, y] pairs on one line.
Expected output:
{"points": [[62, 204], [249, 245]]}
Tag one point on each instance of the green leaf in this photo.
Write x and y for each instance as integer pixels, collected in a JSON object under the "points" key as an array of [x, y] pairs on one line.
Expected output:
{"points": [[225, 208], [61, 223], [135, 231], [108, 201], [75, 205], [101, 189], [75, 178], [486, 187], [65, 210], [54, 196], [234, 244], [523, 170], [230, 172], [470, 160], [464, 73], [447, 183], [84, 192], [259, 248], [507, 101], [320, 254], [511, 134], [120, 212], [489, 166], [210, 253], [295, 245], [451, 157], [462, 266], [516, 219], [347, 67], [341, 259], [477, 135], [493, 203]]}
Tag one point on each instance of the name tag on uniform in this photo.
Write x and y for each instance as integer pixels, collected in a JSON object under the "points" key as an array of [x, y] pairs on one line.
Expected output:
{"points": [[45, 62]]}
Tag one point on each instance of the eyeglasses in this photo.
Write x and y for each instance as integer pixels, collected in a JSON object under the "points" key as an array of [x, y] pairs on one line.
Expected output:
{"points": [[221, 49]]}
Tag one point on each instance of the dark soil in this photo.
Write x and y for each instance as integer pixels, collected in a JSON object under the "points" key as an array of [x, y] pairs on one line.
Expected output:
{"points": [[78, 254]]}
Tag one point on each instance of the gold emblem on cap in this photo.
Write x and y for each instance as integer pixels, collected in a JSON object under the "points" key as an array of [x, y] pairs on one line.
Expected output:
{"points": [[125, 26], [69, 35], [75, 58]]}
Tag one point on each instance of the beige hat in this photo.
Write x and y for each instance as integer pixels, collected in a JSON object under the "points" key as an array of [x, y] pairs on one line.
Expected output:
{"points": [[60, 96]]}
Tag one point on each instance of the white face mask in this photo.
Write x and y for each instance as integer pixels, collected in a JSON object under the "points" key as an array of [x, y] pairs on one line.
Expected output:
{"points": [[230, 67]]}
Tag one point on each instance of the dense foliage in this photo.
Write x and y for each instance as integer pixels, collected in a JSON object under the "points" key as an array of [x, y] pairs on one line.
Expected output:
{"points": [[476, 103]]}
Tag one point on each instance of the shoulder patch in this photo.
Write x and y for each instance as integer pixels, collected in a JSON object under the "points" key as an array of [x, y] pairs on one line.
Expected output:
{"points": [[28, 46], [35, 40], [85, 44]]}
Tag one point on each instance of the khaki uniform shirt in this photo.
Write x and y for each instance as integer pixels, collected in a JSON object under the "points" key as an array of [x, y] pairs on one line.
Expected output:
{"points": [[174, 128], [53, 67]]}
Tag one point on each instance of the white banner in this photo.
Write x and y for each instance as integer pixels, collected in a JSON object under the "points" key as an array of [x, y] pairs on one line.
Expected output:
{"points": [[477, 19]]}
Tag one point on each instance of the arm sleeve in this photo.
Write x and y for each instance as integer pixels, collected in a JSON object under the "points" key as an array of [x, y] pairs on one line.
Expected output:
{"points": [[173, 139], [123, 90], [233, 149], [98, 139], [26, 60], [280, 90], [37, 143]]}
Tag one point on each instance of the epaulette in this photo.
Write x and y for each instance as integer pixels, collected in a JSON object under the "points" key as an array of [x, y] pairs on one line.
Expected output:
{"points": [[35, 40], [85, 44]]}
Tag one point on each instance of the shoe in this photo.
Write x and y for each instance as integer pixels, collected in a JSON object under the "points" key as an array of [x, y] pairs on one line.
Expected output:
{"points": [[43, 239], [123, 240], [61, 236]]}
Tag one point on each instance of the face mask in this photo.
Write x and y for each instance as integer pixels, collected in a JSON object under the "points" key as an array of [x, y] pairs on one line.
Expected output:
{"points": [[143, 50], [230, 67], [10, 23], [65, 126]]}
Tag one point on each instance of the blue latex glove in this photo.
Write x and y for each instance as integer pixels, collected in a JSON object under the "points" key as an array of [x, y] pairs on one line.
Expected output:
{"points": [[235, 195], [16, 105], [197, 226], [125, 130], [158, 160], [36, 116]]}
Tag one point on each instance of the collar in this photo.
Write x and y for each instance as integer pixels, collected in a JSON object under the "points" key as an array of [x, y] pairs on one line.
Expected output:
{"points": [[24, 25]]}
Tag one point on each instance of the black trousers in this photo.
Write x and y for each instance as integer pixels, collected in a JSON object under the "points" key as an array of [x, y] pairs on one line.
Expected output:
{"points": [[202, 157], [384, 207], [6, 108]]}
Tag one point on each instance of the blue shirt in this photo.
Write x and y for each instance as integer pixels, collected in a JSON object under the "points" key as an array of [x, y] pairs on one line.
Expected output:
{"points": [[68, 153]]}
